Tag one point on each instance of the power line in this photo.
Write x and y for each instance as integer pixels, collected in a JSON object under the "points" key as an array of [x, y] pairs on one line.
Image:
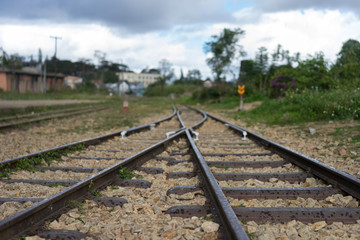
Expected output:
{"points": [[56, 38]]}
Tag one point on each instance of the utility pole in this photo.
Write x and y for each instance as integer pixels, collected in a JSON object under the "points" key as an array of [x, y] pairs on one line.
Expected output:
{"points": [[55, 59]]}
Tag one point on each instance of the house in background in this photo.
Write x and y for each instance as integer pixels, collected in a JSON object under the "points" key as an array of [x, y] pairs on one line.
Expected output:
{"points": [[29, 80], [208, 83], [121, 87], [146, 77], [137, 88], [72, 81]]}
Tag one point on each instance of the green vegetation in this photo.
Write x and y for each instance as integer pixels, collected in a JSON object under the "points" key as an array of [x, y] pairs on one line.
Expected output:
{"points": [[78, 205], [349, 136], [94, 192], [124, 173], [56, 185], [295, 108], [80, 219], [251, 235], [223, 167], [6, 112], [208, 217], [30, 163]]}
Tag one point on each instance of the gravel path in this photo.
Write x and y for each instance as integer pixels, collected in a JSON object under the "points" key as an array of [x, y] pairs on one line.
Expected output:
{"points": [[36, 103], [321, 146], [58, 132], [291, 230]]}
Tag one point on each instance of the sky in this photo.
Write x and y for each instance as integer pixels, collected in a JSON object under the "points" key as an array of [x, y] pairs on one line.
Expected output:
{"points": [[140, 33]]}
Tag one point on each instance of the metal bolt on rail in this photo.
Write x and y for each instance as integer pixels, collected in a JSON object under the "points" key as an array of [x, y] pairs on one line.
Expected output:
{"points": [[196, 136], [244, 135], [123, 133], [152, 126], [169, 134]]}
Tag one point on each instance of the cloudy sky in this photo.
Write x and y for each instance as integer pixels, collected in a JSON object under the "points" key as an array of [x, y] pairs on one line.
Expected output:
{"points": [[140, 33]]}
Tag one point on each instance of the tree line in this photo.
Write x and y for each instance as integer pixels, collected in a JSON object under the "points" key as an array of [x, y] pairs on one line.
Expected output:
{"points": [[275, 72]]}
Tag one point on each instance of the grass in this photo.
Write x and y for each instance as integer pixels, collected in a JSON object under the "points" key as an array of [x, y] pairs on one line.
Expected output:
{"points": [[297, 108], [33, 110], [115, 118], [30, 163], [349, 136], [125, 173], [78, 205], [60, 94], [223, 167], [94, 192], [208, 217]]}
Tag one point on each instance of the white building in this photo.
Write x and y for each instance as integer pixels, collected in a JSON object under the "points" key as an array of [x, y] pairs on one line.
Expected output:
{"points": [[145, 77]]}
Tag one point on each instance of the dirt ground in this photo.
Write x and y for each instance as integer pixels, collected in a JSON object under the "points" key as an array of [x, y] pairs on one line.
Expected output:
{"points": [[34, 103]]}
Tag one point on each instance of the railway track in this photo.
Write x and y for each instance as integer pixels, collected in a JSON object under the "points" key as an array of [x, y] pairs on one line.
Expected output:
{"points": [[11, 122], [191, 176]]}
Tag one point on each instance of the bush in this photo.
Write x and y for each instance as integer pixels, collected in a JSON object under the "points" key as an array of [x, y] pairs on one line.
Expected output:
{"points": [[309, 105]]}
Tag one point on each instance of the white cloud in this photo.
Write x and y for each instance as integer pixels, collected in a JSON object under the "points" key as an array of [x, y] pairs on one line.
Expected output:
{"points": [[306, 32]]}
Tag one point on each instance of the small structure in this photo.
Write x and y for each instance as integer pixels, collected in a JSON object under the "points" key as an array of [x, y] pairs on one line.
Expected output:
{"points": [[208, 83], [137, 88], [72, 81], [26, 80], [146, 77], [119, 88]]}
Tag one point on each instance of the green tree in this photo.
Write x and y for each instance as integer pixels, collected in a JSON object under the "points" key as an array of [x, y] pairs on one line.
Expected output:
{"points": [[347, 67], [224, 48], [261, 67], [3, 57], [193, 75], [166, 71], [311, 72]]}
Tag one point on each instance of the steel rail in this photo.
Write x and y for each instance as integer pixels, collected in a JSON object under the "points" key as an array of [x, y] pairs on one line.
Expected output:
{"points": [[32, 217], [199, 124], [12, 125], [342, 180], [229, 220], [90, 141], [182, 124]]}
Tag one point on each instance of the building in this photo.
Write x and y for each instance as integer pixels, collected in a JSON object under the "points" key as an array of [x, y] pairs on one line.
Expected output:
{"points": [[121, 87], [208, 83], [27, 80], [146, 77], [72, 81]]}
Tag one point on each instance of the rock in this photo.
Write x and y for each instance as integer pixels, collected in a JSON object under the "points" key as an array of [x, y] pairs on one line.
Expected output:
{"points": [[292, 223], [291, 231], [266, 236], [339, 233], [310, 182], [74, 214], [55, 225], [342, 152], [284, 237], [34, 238], [273, 180], [251, 229], [209, 226], [170, 234], [312, 131], [353, 204], [319, 225], [209, 236]]}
